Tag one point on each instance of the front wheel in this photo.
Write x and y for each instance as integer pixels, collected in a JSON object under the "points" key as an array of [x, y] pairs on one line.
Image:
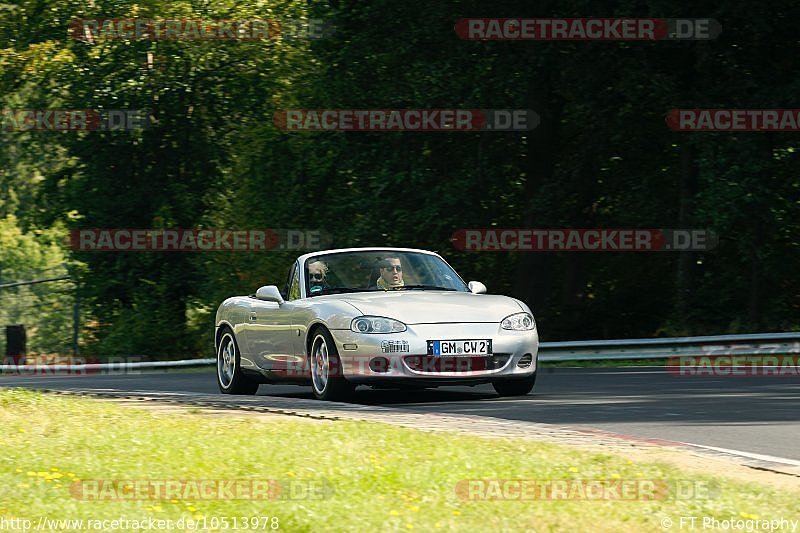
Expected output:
{"points": [[230, 378], [326, 369], [515, 387]]}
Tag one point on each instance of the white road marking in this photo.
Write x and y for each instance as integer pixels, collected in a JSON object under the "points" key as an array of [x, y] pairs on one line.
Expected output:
{"points": [[750, 455]]}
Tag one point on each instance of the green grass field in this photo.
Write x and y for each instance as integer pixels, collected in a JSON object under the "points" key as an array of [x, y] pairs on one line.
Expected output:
{"points": [[373, 476]]}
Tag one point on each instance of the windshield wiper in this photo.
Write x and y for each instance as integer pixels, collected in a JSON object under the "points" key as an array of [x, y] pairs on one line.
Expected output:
{"points": [[337, 290], [424, 288]]}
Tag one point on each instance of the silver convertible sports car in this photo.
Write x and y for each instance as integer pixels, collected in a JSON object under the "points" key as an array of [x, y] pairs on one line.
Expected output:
{"points": [[382, 317]]}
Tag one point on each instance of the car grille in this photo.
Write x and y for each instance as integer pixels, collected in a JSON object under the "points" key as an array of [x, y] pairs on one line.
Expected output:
{"points": [[430, 363]]}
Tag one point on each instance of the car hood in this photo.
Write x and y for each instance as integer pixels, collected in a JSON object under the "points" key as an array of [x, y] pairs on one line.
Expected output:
{"points": [[434, 307]]}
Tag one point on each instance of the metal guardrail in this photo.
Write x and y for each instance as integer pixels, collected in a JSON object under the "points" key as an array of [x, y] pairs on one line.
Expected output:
{"points": [[595, 350], [111, 367], [715, 345]]}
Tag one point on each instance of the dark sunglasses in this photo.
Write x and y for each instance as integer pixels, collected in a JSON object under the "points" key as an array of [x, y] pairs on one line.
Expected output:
{"points": [[316, 277], [395, 268]]}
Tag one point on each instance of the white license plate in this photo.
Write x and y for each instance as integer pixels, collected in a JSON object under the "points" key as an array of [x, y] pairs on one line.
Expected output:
{"points": [[460, 347]]}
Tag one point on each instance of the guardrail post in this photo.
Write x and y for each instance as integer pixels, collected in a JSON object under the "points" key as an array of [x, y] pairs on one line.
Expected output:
{"points": [[16, 344], [76, 320]]}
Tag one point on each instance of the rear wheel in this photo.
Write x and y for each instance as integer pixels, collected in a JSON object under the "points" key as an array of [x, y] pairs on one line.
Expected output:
{"points": [[515, 387], [327, 380], [230, 378]]}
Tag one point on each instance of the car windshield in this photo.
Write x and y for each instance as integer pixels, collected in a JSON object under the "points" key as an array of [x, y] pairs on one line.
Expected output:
{"points": [[382, 270]]}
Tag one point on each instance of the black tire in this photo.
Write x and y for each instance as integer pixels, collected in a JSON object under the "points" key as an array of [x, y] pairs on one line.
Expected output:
{"points": [[230, 378], [515, 387], [327, 381]]}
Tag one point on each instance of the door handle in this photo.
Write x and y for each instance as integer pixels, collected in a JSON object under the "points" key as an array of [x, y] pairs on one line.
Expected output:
{"points": [[252, 316]]}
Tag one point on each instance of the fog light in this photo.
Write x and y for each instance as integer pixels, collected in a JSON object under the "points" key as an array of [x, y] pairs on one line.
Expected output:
{"points": [[496, 361], [525, 361], [379, 364]]}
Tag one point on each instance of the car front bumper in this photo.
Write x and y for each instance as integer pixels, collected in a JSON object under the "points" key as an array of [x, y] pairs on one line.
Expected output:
{"points": [[405, 355]]}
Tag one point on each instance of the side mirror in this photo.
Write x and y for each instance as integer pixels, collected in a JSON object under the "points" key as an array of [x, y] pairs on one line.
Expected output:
{"points": [[269, 293], [476, 287]]}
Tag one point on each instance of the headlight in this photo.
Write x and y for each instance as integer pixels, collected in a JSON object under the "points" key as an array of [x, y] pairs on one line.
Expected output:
{"points": [[376, 324], [518, 322]]}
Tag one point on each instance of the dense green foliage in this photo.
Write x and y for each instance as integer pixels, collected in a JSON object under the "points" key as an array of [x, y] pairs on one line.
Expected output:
{"points": [[602, 157]]}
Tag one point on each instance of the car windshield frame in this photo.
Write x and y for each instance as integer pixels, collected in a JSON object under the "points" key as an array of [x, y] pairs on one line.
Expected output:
{"points": [[421, 266]]}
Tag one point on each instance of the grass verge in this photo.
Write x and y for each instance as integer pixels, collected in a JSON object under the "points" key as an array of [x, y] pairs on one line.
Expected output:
{"points": [[373, 476]]}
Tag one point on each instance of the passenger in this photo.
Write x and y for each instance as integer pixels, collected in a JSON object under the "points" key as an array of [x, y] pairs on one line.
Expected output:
{"points": [[391, 274], [317, 276]]}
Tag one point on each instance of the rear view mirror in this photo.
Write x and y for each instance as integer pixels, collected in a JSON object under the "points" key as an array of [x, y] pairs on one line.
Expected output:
{"points": [[269, 293], [476, 287]]}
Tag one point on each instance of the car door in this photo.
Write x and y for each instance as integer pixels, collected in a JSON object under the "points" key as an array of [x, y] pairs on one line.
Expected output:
{"points": [[269, 334]]}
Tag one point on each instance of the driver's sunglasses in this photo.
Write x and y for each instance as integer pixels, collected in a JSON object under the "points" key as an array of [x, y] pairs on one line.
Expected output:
{"points": [[394, 268], [316, 277]]}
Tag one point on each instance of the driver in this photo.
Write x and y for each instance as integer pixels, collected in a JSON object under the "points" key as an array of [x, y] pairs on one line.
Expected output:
{"points": [[391, 274], [317, 276]]}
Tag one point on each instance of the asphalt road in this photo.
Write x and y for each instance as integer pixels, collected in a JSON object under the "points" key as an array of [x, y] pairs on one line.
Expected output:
{"points": [[758, 415]]}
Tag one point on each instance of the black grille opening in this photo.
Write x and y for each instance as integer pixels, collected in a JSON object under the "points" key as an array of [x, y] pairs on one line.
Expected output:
{"points": [[430, 363], [525, 361], [379, 364]]}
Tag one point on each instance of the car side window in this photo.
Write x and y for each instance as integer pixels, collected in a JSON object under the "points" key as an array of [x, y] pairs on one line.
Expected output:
{"points": [[294, 285]]}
